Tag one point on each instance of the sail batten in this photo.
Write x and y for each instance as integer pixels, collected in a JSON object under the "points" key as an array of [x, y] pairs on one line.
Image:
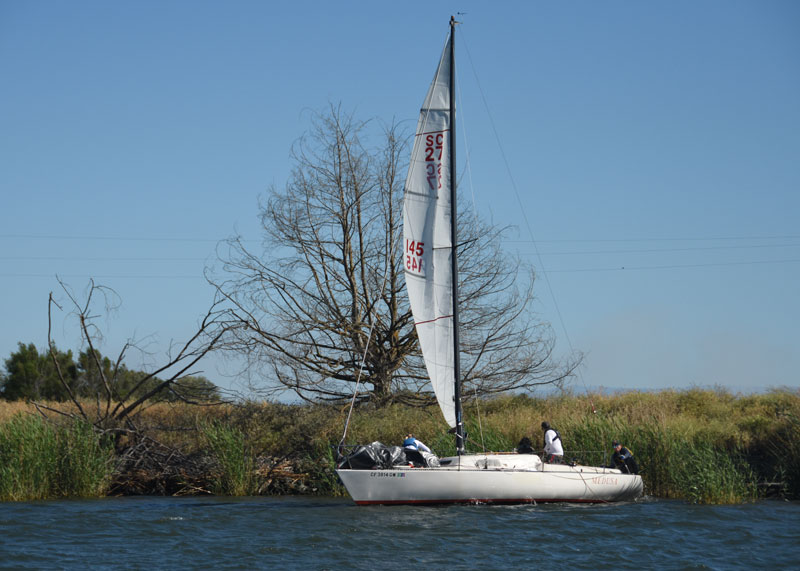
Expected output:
{"points": [[428, 244]]}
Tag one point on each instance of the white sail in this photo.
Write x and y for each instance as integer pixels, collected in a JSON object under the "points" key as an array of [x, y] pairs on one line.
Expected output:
{"points": [[427, 243]]}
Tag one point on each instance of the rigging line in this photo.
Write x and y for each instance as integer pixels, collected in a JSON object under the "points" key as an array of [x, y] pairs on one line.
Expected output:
{"points": [[105, 277], [212, 240], [675, 266], [525, 218], [468, 170], [665, 250], [96, 259], [113, 238], [478, 414], [468, 162], [669, 239], [366, 349]]}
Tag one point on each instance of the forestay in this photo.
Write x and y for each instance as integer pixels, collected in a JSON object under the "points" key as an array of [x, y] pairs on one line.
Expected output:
{"points": [[427, 242]]}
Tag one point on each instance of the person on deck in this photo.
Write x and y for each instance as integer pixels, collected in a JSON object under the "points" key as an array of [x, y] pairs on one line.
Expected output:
{"points": [[553, 451], [417, 453], [623, 459], [525, 446], [411, 443]]}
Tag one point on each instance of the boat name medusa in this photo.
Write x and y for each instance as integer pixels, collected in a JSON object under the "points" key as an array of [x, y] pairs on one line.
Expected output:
{"points": [[604, 480]]}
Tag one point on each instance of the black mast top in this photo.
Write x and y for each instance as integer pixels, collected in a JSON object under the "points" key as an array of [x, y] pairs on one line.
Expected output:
{"points": [[459, 428]]}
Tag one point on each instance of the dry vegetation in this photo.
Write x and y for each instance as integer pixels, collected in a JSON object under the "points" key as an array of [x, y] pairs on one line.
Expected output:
{"points": [[701, 445]]}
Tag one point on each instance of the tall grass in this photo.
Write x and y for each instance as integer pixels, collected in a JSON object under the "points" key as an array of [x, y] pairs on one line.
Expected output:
{"points": [[40, 460], [235, 475], [707, 475], [780, 452], [704, 446], [28, 459], [319, 464]]}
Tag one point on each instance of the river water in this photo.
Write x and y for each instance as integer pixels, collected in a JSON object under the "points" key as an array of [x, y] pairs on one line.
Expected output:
{"points": [[333, 533]]}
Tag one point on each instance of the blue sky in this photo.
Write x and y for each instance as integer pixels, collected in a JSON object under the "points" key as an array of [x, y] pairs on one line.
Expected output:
{"points": [[653, 152]]}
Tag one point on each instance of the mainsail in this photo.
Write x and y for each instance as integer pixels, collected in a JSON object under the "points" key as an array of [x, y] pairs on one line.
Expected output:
{"points": [[427, 240]]}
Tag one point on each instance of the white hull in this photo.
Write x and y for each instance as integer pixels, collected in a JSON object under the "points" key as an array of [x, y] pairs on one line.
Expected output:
{"points": [[505, 479]]}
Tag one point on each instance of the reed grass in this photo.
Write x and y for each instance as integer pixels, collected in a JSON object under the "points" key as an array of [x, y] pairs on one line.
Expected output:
{"points": [[28, 459], [235, 463], [86, 461], [41, 460], [707, 475]]}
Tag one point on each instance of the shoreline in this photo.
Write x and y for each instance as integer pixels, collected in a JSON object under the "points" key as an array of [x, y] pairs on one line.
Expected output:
{"points": [[698, 445]]}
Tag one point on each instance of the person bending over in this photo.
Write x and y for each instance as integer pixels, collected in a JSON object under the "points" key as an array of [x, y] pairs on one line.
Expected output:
{"points": [[411, 443], [623, 459], [417, 453], [553, 450]]}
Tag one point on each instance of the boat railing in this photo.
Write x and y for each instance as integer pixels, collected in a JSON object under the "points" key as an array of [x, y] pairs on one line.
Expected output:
{"points": [[600, 458], [595, 458]]}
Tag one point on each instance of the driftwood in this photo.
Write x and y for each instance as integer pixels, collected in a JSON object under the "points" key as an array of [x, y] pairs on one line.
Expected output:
{"points": [[148, 467]]}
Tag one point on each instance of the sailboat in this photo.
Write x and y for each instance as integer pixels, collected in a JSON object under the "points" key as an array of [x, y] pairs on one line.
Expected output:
{"points": [[431, 270]]}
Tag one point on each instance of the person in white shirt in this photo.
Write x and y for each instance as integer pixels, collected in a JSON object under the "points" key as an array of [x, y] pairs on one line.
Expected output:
{"points": [[553, 450]]}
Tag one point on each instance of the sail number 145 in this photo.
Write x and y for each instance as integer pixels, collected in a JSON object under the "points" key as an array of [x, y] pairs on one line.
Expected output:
{"points": [[414, 251]]}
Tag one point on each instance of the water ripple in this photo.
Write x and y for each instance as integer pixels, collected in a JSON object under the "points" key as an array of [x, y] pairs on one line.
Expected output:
{"points": [[324, 533]]}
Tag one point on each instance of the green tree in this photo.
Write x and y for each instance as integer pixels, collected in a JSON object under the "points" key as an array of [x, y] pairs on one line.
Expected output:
{"points": [[194, 389], [90, 376], [34, 375]]}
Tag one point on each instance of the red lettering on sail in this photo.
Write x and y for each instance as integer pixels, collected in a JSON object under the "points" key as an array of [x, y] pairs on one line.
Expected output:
{"points": [[414, 252], [434, 147]]}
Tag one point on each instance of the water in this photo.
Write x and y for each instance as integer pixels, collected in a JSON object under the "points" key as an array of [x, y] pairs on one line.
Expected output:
{"points": [[314, 533]]}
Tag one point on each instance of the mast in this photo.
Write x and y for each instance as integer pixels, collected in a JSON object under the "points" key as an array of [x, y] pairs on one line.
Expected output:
{"points": [[459, 428]]}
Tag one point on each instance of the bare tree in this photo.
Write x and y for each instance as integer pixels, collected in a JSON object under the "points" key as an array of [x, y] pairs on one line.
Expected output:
{"points": [[119, 397], [328, 289]]}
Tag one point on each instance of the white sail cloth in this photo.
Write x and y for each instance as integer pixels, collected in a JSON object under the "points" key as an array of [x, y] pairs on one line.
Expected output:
{"points": [[427, 243]]}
